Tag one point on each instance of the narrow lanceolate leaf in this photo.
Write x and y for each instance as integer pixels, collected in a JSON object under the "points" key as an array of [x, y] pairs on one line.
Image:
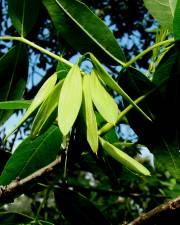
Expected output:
{"points": [[18, 104], [99, 69], [124, 158], [163, 11], [70, 18], [47, 113], [13, 76], [70, 100], [176, 22], [32, 155], [104, 103], [39, 98], [23, 14], [91, 123]]}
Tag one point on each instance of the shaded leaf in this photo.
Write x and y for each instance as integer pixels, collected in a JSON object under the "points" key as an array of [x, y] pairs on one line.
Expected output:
{"points": [[70, 100], [18, 104], [69, 22], [78, 209], [4, 156], [104, 103], [91, 123], [124, 158], [137, 84], [21, 14], [176, 22], [32, 155], [42, 94], [108, 80], [9, 218], [47, 112], [166, 148], [62, 70], [13, 76], [163, 11]]}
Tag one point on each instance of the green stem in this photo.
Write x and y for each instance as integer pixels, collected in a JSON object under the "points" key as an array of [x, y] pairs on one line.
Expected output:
{"points": [[170, 41], [108, 126], [25, 41]]}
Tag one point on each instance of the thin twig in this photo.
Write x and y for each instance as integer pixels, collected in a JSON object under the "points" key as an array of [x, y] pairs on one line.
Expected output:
{"points": [[159, 215], [15, 188]]}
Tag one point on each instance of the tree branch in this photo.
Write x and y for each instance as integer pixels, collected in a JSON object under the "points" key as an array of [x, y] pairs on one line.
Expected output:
{"points": [[166, 213], [16, 187]]}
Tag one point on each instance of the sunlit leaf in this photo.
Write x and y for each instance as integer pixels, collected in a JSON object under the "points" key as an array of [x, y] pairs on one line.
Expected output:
{"points": [[78, 209], [91, 123], [32, 155], [21, 14], [124, 158], [39, 98], [70, 18], [13, 76], [70, 100], [18, 104], [47, 112], [104, 103], [99, 69], [163, 11]]}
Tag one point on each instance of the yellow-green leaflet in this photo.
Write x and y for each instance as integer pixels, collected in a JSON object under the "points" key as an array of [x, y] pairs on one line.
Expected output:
{"points": [[91, 123], [70, 100], [42, 94], [104, 103], [112, 84], [124, 158], [47, 112]]}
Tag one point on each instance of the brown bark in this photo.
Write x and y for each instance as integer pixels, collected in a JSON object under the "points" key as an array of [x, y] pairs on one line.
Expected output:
{"points": [[167, 213], [16, 187]]}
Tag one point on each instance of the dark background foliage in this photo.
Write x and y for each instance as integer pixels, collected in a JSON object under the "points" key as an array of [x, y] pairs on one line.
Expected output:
{"points": [[117, 193]]}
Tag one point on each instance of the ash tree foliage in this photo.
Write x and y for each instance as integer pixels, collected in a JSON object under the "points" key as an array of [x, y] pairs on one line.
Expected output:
{"points": [[74, 154]]}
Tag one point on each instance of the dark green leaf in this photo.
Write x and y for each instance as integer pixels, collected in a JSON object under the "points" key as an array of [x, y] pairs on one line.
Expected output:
{"points": [[137, 84], [23, 14], [176, 22], [70, 19], [13, 76], [4, 156], [9, 218], [78, 209], [167, 130], [62, 70], [31, 155], [163, 11], [18, 104], [47, 113]]}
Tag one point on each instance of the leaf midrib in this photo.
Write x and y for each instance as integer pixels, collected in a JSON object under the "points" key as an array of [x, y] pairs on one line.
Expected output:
{"points": [[89, 35], [167, 5]]}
